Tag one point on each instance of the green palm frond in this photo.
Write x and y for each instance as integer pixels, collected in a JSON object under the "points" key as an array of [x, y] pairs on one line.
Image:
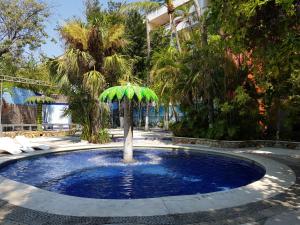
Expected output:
{"points": [[39, 99], [130, 91], [144, 6], [130, 78], [69, 66], [114, 37], [165, 73], [121, 67], [118, 63], [76, 34], [93, 81]]}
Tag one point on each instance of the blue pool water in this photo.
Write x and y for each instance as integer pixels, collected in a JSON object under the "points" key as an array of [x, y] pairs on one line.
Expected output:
{"points": [[156, 173]]}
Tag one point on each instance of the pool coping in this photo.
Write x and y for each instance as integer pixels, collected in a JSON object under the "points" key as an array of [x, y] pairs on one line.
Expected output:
{"points": [[278, 178]]}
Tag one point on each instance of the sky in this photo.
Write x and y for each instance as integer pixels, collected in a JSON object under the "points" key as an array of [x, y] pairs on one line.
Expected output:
{"points": [[60, 11]]}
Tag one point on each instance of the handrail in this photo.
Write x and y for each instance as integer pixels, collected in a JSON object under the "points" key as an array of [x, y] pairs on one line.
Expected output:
{"points": [[23, 80], [46, 126]]}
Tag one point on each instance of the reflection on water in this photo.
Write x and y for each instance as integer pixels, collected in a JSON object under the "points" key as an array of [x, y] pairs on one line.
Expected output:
{"points": [[155, 173]]}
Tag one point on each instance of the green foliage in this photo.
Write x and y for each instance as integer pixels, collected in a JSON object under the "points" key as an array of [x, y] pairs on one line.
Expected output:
{"points": [[101, 138], [135, 30], [241, 97], [244, 82], [22, 25], [142, 6]]}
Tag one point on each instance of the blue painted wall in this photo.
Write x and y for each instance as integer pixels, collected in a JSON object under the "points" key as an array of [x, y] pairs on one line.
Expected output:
{"points": [[17, 96]]}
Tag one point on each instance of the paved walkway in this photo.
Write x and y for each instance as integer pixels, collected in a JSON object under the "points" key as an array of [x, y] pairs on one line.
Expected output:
{"points": [[283, 209], [286, 218]]}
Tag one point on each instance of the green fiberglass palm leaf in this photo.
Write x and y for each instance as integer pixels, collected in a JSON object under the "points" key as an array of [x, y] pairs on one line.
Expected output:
{"points": [[130, 91], [39, 99]]}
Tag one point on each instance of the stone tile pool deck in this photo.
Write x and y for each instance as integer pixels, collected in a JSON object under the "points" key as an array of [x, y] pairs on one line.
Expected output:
{"points": [[279, 209]]}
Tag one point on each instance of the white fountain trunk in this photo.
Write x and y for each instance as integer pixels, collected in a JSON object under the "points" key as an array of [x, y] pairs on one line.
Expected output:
{"points": [[128, 133]]}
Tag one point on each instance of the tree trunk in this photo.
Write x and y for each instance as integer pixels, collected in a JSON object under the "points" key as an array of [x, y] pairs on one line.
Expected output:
{"points": [[39, 118], [175, 113], [128, 132], [278, 122], [166, 117], [95, 123], [174, 31], [204, 34], [121, 117], [198, 10], [148, 39], [177, 37], [203, 26], [210, 112], [140, 115], [147, 117]]}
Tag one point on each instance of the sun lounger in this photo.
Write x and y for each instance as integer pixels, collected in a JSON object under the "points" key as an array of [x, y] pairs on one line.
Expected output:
{"points": [[25, 142], [8, 145]]}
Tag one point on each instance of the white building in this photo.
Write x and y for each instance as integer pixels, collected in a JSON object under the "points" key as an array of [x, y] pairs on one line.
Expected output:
{"points": [[160, 16]]}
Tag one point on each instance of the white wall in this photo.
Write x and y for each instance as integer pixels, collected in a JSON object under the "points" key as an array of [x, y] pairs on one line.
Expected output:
{"points": [[203, 4], [54, 114]]}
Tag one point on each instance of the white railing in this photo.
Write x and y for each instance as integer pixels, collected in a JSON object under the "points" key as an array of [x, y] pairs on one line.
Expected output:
{"points": [[33, 127]]}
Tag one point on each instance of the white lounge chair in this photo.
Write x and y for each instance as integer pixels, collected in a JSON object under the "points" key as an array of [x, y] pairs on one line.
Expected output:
{"points": [[26, 143], [8, 145]]}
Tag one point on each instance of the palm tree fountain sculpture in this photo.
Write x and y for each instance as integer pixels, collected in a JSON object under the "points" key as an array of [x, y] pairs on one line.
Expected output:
{"points": [[127, 93]]}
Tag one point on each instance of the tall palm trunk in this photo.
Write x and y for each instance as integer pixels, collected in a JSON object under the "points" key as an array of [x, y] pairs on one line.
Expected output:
{"points": [[166, 117], [203, 26], [198, 10], [171, 10], [121, 117], [204, 34], [95, 125], [128, 132], [175, 113], [174, 31]]}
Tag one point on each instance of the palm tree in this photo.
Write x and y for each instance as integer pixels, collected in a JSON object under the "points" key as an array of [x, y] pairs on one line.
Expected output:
{"points": [[171, 10], [39, 100], [127, 93], [92, 61], [165, 75]]}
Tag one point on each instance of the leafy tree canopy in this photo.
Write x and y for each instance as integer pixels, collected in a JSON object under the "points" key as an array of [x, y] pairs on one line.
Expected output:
{"points": [[21, 25]]}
